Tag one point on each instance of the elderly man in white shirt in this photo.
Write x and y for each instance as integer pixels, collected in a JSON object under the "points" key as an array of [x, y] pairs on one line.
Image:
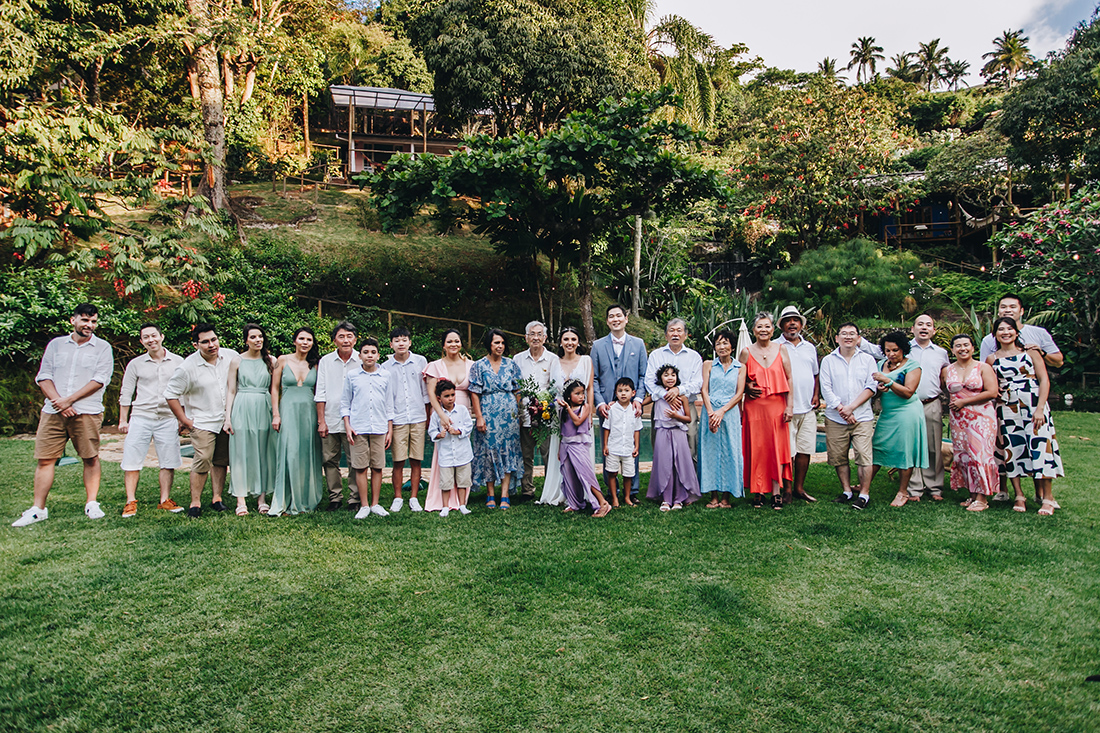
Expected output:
{"points": [[847, 388], [543, 367], [74, 372], [804, 399], [196, 396], [332, 369], [144, 417], [690, 365], [932, 360]]}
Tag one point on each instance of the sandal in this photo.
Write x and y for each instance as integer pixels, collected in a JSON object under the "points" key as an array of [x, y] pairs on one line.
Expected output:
{"points": [[491, 503], [242, 511], [965, 504], [713, 504], [757, 500], [665, 506], [1020, 504], [725, 505], [901, 499], [978, 505], [602, 511], [505, 503], [263, 508], [1048, 508], [777, 501]]}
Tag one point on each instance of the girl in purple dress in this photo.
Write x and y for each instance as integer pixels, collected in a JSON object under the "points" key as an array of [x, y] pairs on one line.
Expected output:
{"points": [[575, 454], [673, 478]]}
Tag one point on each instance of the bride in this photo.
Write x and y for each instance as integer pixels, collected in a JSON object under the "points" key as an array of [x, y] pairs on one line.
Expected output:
{"points": [[575, 364]]}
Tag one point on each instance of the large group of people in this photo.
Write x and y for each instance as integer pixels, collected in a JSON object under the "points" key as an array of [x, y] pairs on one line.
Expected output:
{"points": [[278, 427]]}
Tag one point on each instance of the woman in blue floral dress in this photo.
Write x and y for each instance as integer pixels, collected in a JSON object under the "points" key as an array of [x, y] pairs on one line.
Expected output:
{"points": [[494, 395]]}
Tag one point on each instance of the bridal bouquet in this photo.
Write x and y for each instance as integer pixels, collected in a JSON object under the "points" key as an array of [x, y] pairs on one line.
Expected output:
{"points": [[542, 412]]}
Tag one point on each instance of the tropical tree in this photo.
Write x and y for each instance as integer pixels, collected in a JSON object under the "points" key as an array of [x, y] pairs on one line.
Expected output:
{"points": [[904, 68], [954, 72], [559, 193], [827, 68], [865, 53], [930, 58], [1009, 58]]}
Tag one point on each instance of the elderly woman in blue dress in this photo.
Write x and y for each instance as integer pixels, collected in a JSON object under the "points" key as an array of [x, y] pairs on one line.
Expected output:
{"points": [[495, 399], [721, 470]]}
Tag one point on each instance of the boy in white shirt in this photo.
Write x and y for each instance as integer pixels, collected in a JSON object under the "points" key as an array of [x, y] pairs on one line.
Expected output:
{"points": [[410, 422], [367, 409], [621, 429], [453, 446]]}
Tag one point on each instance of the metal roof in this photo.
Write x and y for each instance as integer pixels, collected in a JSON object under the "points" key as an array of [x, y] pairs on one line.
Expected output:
{"points": [[380, 98]]}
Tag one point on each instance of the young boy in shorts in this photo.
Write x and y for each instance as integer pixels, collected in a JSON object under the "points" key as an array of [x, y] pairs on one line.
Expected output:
{"points": [[453, 446], [367, 409], [621, 429], [411, 408]]}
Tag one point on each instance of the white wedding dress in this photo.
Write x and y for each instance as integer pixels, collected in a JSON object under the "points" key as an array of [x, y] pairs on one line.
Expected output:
{"points": [[551, 487]]}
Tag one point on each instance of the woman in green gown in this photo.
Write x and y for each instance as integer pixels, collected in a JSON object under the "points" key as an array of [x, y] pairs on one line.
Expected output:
{"points": [[298, 468], [901, 439], [248, 421]]}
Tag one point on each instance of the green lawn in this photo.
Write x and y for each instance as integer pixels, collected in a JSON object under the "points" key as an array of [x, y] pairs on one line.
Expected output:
{"points": [[818, 617]]}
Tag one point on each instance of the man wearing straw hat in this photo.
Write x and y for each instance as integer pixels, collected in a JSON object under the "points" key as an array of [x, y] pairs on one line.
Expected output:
{"points": [[804, 398]]}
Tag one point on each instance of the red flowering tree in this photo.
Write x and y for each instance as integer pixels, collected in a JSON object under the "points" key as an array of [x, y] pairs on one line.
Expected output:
{"points": [[815, 158], [1055, 254]]}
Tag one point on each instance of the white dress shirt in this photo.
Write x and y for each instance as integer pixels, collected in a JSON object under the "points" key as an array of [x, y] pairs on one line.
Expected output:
{"points": [[1029, 335], [453, 450], [148, 380], [842, 381], [621, 422], [331, 371], [803, 370], [200, 387], [410, 390], [368, 401], [686, 360], [932, 360], [545, 371], [70, 366]]}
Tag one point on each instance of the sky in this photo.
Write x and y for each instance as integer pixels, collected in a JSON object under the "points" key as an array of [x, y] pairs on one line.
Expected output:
{"points": [[799, 33]]}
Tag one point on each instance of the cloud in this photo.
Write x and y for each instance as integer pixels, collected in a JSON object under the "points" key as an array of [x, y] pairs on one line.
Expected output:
{"points": [[799, 33]]}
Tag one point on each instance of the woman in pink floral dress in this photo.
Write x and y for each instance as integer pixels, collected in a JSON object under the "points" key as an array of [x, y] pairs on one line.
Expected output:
{"points": [[972, 386]]}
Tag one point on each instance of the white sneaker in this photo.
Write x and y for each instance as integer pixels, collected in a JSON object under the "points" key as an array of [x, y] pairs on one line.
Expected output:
{"points": [[363, 513], [32, 515], [444, 512], [398, 502], [1000, 496], [414, 504], [379, 511], [463, 510], [93, 511]]}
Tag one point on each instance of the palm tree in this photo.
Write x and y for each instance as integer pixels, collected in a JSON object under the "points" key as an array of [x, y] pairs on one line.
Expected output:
{"points": [[903, 68], [930, 61], [953, 73], [864, 55], [1009, 57], [827, 68]]}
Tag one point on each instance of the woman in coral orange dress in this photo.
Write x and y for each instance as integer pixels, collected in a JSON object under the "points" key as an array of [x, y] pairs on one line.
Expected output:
{"points": [[765, 433]]}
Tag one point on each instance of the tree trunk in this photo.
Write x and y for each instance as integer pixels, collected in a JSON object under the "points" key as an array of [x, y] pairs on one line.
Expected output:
{"points": [[585, 287], [193, 76], [227, 77], [93, 81], [305, 122], [212, 105], [636, 295]]}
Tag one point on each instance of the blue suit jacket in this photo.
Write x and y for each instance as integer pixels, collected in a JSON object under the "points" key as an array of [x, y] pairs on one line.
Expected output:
{"points": [[608, 369]]}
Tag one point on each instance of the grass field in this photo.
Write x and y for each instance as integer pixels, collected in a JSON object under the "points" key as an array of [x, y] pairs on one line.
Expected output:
{"points": [[816, 618]]}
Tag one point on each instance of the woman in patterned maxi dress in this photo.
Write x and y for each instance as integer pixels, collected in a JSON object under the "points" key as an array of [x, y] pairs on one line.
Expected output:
{"points": [[972, 386]]}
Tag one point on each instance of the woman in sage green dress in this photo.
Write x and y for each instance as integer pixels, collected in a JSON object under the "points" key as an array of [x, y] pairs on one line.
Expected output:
{"points": [[248, 421], [299, 478], [901, 439]]}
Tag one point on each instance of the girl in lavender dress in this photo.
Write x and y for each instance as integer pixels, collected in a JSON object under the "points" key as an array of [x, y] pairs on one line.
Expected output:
{"points": [[579, 483], [673, 478]]}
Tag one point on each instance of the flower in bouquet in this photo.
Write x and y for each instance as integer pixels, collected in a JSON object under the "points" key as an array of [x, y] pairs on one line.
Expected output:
{"points": [[540, 407]]}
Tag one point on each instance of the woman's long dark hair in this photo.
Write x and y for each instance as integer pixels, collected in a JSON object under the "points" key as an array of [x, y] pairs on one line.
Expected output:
{"points": [[581, 350], [1011, 322], [265, 350], [314, 354]]}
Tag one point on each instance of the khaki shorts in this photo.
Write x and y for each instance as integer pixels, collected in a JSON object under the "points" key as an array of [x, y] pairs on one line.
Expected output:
{"points": [[613, 464], [211, 449], [408, 441], [804, 433], [838, 438], [54, 431], [455, 476], [369, 451]]}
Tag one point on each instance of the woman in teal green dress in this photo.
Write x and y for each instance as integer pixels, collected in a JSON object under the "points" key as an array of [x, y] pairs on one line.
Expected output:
{"points": [[901, 439], [248, 421], [299, 478]]}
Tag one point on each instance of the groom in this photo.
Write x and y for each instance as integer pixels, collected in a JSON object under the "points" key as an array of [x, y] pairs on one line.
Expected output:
{"points": [[614, 356]]}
